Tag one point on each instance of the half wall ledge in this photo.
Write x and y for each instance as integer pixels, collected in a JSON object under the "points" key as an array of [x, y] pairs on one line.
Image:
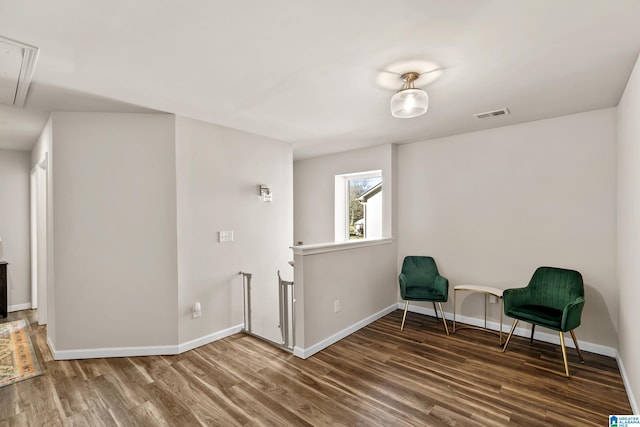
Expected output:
{"points": [[321, 248], [340, 288]]}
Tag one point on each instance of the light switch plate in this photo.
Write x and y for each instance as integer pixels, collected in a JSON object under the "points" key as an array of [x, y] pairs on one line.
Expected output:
{"points": [[225, 236]]}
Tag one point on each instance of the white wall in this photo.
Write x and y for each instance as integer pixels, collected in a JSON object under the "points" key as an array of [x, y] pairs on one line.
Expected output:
{"points": [[114, 216], [218, 173], [362, 278], [126, 226], [14, 226], [629, 232], [492, 206], [314, 188]]}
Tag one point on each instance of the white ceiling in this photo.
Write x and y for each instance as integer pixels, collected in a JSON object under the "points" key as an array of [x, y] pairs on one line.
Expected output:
{"points": [[306, 71]]}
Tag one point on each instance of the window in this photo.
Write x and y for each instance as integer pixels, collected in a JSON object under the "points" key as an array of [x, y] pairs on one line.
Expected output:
{"points": [[358, 206]]}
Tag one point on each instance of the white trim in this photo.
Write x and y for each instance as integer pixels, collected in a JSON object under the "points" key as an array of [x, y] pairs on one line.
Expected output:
{"points": [[26, 74], [33, 238], [552, 338], [627, 386], [343, 200], [322, 248], [18, 307], [304, 353], [97, 353], [29, 59], [375, 173], [207, 339]]}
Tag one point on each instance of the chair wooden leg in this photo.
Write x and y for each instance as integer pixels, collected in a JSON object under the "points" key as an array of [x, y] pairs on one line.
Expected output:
{"points": [[404, 316], [513, 328], [446, 329], [575, 341], [564, 354], [434, 309], [533, 328]]}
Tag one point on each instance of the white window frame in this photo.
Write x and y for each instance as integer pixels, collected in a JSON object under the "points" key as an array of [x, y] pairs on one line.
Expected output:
{"points": [[341, 206]]}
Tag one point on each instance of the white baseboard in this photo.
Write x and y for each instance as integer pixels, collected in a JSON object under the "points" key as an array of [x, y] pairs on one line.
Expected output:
{"points": [[96, 353], [207, 339], [552, 338], [18, 307], [304, 353], [627, 386]]}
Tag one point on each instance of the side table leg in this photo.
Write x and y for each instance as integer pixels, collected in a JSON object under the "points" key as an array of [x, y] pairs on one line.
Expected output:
{"points": [[454, 311], [486, 297], [501, 310]]}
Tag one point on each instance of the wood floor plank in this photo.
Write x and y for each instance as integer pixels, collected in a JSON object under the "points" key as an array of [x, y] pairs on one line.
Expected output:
{"points": [[148, 415], [377, 376], [91, 417]]}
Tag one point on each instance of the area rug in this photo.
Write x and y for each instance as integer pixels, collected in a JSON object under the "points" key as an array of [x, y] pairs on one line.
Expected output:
{"points": [[17, 359]]}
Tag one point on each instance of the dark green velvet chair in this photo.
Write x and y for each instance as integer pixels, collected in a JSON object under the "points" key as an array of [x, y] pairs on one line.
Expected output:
{"points": [[553, 299], [420, 281]]}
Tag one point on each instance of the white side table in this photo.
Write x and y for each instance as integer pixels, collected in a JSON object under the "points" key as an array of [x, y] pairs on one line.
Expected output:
{"points": [[486, 290]]}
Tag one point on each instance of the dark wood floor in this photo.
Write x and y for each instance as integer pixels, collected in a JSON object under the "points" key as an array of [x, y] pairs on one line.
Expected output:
{"points": [[377, 376]]}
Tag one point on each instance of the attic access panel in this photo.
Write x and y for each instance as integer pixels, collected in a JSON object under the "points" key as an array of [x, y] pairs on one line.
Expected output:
{"points": [[17, 62]]}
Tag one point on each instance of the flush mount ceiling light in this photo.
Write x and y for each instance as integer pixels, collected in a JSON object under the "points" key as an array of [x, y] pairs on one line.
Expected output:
{"points": [[409, 101]]}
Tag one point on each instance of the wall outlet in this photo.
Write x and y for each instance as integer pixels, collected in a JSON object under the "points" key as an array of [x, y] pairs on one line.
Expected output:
{"points": [[196, 311], [225, 236], [336, 306]]}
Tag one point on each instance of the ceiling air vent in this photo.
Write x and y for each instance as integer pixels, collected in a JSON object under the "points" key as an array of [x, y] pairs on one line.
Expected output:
{"points": [[494, 113], [17, 62]]}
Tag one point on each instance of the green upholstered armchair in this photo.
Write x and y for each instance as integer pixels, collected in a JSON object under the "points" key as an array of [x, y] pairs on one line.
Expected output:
{"points": [[553, 299], [420, 281]]}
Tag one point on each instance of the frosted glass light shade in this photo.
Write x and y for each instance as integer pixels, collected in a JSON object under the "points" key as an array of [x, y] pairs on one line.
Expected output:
{"points": [[407, 103]]}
